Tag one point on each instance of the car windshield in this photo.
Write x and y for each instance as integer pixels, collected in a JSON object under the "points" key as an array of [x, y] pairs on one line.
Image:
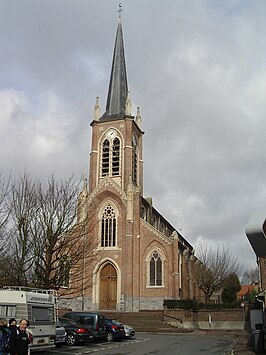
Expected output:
{"points": [[88, 320], [68, 322]]}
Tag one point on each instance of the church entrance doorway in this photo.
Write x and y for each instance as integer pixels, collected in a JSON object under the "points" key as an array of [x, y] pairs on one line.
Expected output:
{"points": [[108, 287]]}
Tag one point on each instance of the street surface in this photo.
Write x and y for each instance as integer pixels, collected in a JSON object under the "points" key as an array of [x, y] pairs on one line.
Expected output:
{"points": [[150, 343]]}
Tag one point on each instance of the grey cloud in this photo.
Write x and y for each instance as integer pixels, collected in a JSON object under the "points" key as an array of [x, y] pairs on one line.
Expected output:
{"points": [[196, 69]]}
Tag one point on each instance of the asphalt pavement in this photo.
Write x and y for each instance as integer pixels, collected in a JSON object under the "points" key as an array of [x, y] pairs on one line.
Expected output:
{"points": [[243, 342], [207, 342]]}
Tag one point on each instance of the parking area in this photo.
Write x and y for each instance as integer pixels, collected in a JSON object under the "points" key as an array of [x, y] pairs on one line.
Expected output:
{"points": [[93, 347], [155, 343]]}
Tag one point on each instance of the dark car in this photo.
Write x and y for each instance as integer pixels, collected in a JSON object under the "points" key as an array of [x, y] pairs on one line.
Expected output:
{"points": [[75, 332], [114, 330], [91, 320]]}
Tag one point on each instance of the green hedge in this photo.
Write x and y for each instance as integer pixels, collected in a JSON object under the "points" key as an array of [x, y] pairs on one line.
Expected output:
{"points": [[192, 304]]}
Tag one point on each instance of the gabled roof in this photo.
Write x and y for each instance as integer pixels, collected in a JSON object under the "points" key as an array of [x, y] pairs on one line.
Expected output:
{"points": [[118, 89]]}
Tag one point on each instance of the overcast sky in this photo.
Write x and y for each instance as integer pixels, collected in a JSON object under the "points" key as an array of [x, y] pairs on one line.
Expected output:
{"points": [[197, 70]]}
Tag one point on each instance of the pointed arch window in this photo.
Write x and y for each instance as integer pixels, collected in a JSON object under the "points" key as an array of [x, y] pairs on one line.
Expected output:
{"points": [[156, 269], [111, 156], [108, 227], [180, 269], [143, 213], [134, 161], [105, 157], [154, 221], [116, 157]]}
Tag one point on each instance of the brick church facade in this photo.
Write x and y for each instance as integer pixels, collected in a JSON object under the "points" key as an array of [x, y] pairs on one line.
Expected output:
{"points": [[140, 259]]}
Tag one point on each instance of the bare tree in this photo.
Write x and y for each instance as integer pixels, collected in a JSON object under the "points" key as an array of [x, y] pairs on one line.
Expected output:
{"points": [[80, 257], [22, 204], [4, 213], [213, 267], [48, 230], [4, 190], [84, 249], [53, 222], [59, 236]]}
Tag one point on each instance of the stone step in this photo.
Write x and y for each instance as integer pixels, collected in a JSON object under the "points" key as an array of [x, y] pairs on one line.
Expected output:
{"points": [[144, 321]]}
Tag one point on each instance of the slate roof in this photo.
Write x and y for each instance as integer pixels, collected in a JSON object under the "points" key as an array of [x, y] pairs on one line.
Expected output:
{"points": [[118, 88]]}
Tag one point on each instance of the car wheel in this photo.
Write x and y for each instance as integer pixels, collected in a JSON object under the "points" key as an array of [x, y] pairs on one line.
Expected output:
{"points": [[109, 336], [71, 340]]}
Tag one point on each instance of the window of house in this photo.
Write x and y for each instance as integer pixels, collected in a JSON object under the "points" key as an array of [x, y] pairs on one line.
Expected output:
{"points": [[156, 269], [110, 155], [108, 227], [134, 161]]}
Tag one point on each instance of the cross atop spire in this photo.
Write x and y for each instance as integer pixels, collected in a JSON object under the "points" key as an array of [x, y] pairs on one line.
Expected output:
{"points": [[119, 11]]}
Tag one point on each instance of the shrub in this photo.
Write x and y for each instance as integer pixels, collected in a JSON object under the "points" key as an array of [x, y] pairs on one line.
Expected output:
{"points": [[194, 305]]}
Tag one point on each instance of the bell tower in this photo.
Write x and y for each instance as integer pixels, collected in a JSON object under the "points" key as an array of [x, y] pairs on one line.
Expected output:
{"points": [[116, 148]]}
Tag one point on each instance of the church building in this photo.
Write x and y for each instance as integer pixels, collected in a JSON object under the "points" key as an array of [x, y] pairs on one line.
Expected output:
{"points": [[140, 259]]}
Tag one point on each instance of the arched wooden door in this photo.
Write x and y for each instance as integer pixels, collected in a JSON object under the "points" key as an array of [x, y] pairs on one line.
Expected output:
{"points": [[108, 287]]}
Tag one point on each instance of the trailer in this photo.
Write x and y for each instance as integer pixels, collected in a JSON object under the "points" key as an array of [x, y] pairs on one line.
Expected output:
{"points": [[36, 305]]}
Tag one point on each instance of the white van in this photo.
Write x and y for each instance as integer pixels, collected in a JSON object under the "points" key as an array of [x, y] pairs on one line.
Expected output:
{"points": [[36, 305]]}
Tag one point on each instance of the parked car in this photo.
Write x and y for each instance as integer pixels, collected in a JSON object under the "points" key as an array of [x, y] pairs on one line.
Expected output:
{"points": [[95, 322], [75, 332], [114, 330], [60, 335], [129, 331]]}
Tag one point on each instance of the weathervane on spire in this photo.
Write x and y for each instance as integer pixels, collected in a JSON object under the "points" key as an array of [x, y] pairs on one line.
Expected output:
{"points": [[119, 11]]}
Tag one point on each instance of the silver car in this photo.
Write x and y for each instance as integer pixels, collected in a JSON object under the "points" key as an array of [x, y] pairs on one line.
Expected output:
{"points": [[129, 331], [60, 335]]}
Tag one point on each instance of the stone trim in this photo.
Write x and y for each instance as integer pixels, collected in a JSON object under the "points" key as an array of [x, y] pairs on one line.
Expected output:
{"points": [[103, 185], [155, 231]]}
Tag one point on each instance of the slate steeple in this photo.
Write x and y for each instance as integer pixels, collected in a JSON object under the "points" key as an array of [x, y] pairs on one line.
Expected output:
{"points": [[118, 89]]}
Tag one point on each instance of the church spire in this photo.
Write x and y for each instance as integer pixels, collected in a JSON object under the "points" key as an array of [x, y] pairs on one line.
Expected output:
{"points": [[118, 89]]}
